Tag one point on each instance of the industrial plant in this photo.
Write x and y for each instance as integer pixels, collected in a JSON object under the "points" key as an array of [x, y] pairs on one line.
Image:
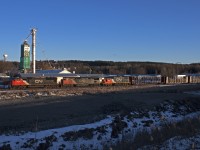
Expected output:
{"points": [[25, 54]]}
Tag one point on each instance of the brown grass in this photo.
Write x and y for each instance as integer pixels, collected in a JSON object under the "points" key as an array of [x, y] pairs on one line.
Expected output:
{"points": [[185, 129]]}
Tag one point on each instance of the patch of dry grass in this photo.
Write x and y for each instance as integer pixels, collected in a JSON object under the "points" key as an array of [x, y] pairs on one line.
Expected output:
{"points": [[158, 135]]}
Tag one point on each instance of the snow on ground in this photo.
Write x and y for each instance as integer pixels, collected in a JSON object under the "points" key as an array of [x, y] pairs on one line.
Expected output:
{"points": [[180, 143], [17, 141], [17, 94], [177, 143], [105, 132]]}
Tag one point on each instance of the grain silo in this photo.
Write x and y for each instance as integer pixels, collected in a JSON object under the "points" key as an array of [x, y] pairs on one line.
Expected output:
{"points": [[25, 57]]}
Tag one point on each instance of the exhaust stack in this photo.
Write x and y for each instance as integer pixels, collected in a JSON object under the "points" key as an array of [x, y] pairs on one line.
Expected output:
{"points": [[33, 32]]}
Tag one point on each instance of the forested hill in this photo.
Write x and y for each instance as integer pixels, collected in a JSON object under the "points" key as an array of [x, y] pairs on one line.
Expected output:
{"points": [[110, 67]]}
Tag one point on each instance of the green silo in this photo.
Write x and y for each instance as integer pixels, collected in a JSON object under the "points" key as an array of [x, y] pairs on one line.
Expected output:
{"points": [[25, 57]]}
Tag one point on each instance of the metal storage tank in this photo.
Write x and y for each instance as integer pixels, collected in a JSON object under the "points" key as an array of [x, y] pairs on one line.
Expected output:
{"points": [[25, 57]]}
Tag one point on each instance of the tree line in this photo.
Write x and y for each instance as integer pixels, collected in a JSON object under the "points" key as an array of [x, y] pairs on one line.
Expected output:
{"points": [[108, 67]]}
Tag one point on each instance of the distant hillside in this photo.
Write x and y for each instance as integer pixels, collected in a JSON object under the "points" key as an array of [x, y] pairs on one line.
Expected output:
{"points": [[109, 67]]}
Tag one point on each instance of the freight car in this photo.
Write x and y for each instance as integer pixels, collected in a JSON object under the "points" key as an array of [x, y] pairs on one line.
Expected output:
{"points": [[194, 78], [146, 79], [178, 79], [4, 82]]}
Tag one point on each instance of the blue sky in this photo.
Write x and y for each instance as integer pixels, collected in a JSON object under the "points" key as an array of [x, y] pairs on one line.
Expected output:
{"points": [[113, 30]]}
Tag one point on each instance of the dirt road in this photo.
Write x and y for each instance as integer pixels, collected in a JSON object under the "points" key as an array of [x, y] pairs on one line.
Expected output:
{"points": [[38, 114]]}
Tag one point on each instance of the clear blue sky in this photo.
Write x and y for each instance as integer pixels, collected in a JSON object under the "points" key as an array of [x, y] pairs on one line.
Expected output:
{"points": [[113, 30]]}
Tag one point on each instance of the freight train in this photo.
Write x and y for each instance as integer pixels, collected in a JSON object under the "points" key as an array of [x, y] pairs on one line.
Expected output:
{"points": [[109, 80]]}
